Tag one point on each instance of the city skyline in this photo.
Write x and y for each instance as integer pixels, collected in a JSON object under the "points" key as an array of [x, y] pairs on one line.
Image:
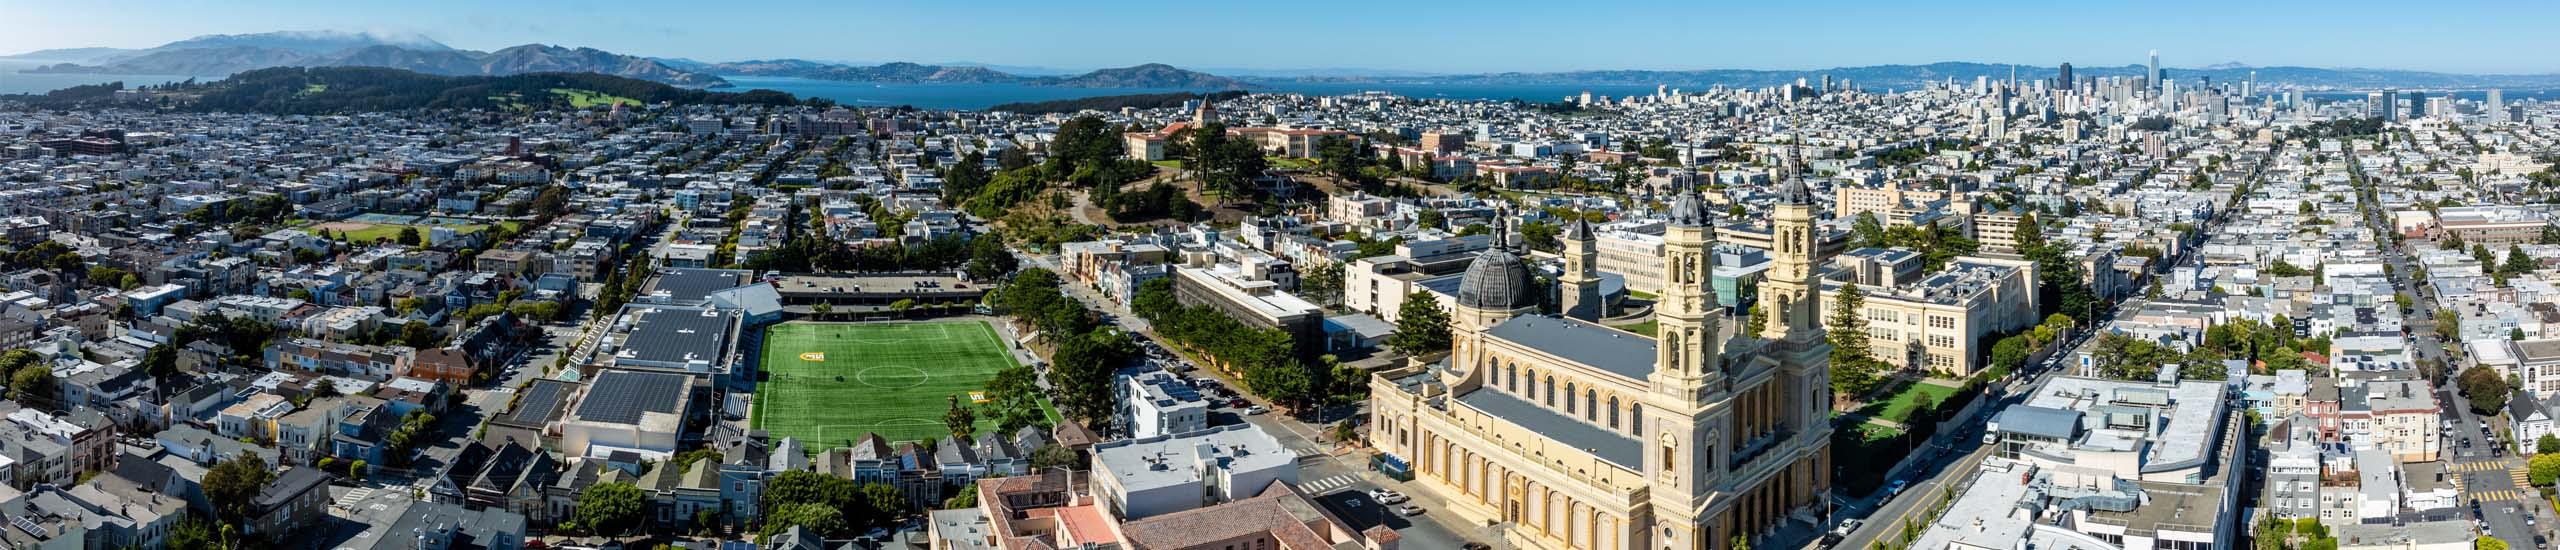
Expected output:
{"points": [[1340, 35]]}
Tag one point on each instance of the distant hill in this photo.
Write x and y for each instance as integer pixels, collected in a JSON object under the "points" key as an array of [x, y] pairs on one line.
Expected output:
{"points": [[1112, 102], [338, 90], [227, 54], [1152, 75]]}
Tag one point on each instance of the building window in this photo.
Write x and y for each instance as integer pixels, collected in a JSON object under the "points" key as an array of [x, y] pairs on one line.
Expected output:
{"points": [[1591, 405], [1635, 417], [1568, 398], [1511, 377], [1551, 390], [1613, 412]]}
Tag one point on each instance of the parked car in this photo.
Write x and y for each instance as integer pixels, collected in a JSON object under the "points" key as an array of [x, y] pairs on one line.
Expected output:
{"points": [[1257, 409], [1409, 510], [1895, 488]]}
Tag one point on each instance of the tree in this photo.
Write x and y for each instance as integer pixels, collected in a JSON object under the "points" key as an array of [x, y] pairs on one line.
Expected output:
{"points": [[1853, 365], [1053, 456], [32, 384], [233, 486], [965, 499], [2517, 262], [816, 517], [1430, 219], [2488, 543], [884, 502], [408, 236], [2484, 388], [962, 421], [2543, 469], [1421, 326], [609, 508], [1869, 231], [1322, 282], [2549, 444], [324, 388], [356, 469]]}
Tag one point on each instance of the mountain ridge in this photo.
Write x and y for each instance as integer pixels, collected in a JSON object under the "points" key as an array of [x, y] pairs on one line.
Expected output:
{"points": [[221, 55]]}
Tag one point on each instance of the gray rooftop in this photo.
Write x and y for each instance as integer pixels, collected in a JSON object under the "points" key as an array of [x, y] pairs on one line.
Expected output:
{"points": [[1612, 350], [1170, 460], [691, 286], [678, 335], [620, 396], [2047, 422], [1611, 446]]}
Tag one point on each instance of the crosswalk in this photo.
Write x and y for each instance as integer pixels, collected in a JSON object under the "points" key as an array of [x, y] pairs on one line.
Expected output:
{"points": [[2482, 466], [1304, 452], [1329, 484], [354, 496]]}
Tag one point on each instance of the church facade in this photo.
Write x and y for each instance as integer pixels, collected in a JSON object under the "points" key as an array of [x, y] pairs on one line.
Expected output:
{"points": [[1567, 434]]}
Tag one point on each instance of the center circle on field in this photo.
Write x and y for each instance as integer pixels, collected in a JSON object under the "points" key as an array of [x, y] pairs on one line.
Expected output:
{"points": [[891, 377]]}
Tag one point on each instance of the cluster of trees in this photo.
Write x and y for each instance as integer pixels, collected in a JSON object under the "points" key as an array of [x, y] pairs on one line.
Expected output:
{"points": [[1083, 352], [828, 505], [1156, 201], [2484, 389], [44, 254], [984, 257], [2124, 357], [2010, 353], [1936, 244], [2061, 289], [2544, 468], [262, 209], [621, 285], [1266, 358], [30, 380], [1113, 102], [418, 424], [1225, 165], [2274, 343]]}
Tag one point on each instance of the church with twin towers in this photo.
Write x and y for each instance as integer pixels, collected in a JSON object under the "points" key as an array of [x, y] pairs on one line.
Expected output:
{"points": [[1563, 433]]}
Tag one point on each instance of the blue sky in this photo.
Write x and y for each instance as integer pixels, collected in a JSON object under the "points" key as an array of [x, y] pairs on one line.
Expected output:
{"points": [[1450, 37]]}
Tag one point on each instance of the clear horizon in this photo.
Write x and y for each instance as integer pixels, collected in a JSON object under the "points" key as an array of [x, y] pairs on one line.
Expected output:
{"points": [[1482, 37]]}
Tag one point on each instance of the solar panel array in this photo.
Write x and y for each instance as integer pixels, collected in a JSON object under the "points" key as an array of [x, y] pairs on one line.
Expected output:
{"points": [[621, 396]]}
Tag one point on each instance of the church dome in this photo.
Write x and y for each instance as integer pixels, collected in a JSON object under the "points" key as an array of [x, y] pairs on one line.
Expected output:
{"points": [[1497, 280]]}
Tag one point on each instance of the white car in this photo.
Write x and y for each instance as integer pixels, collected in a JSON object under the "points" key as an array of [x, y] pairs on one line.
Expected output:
{"points": [[1409, 510], [1257, 409], [1389, 497]]}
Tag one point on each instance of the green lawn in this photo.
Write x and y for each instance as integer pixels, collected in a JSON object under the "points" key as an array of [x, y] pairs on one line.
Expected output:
{"points": [[386, 231], [1286, 163], [585, 98], [895, 379], [1898, 407], [1170, 163]]}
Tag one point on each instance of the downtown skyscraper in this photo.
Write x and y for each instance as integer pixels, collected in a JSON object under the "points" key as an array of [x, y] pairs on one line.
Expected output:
{"points": [[2154, 82], [2063, 80]]}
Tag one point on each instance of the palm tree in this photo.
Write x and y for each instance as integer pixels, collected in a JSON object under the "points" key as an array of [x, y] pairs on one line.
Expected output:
{"points": [[822, 309]]}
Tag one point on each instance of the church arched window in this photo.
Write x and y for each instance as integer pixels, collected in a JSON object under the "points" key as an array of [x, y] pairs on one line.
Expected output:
{"points": [[1568, 398], [1551, 390], [1591, 405], [1635, 418], [1613, 412], [1511, 377]]}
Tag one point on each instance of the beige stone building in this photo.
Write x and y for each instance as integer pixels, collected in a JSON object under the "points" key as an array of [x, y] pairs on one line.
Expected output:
{"points": [[1945, 321], [1575, 435]]}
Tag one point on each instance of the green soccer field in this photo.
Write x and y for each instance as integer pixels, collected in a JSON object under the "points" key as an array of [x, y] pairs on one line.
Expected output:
{"points": [[895, 379]]}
